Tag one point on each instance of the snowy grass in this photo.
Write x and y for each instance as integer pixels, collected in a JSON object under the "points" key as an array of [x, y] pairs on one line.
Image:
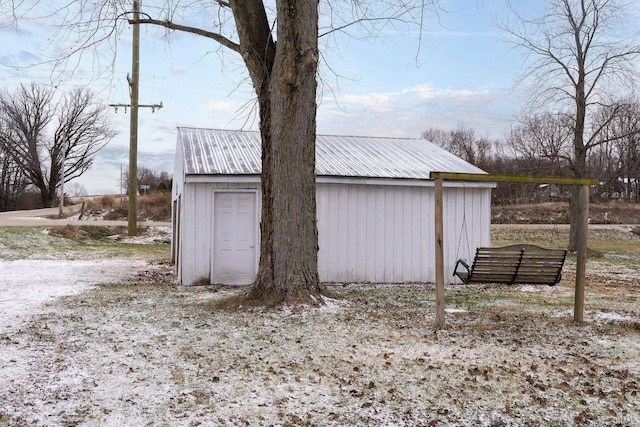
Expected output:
{"points": [[44, 243], [139, 354], [144, 352]]}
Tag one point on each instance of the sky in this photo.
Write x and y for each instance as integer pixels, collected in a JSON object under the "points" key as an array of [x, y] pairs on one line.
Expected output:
{"points": [[463, 73]]}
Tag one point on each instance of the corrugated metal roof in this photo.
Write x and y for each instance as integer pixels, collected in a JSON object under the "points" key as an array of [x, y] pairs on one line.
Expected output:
{"points": [[225, 152]]}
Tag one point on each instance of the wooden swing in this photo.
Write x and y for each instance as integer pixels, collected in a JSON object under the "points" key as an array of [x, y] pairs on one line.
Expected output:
{"points": [[581, 255], [515, 264]]}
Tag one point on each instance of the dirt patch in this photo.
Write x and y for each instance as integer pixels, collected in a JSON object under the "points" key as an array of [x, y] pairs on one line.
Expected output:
{"points": [[83, 232], [102, 232]]}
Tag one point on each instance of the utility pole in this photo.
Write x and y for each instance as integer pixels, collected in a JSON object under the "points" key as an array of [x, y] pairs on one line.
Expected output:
{"points": [[61, 203], [133, 124], [121, 197]]}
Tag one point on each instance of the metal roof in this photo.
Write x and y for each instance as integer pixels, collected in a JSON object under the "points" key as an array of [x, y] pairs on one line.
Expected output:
{"points": [[226, 152]]}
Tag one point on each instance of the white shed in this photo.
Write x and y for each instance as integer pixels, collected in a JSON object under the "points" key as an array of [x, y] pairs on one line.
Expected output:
{"points": [[374, 199]]}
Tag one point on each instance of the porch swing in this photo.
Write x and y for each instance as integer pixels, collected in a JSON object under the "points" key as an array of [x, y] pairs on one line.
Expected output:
{"points": [[513, 264], [522, 271]]}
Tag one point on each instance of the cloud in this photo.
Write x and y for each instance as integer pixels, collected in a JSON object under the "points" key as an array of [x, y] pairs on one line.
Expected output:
{"points": [[19, 59], [411, 110], [416, 97], [12, 25], [426, 91], [177, 71], [377, 102], [218, 107]]}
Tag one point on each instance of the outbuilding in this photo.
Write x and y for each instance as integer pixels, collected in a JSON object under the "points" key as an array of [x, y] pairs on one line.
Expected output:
{"points": [[375, 208]]}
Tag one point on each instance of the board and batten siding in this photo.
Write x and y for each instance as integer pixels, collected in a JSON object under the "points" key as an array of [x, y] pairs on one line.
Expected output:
{"points": [[367, 232], [467, 226], [385, 233]]}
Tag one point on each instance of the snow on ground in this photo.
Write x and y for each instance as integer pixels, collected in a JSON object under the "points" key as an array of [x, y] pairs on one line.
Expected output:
{"points": [[159, 235], [139, 351], [27, 284], [140, 354]]}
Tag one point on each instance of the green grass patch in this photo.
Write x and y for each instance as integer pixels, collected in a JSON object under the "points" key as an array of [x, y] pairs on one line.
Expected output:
{"points": [[91, 243]]}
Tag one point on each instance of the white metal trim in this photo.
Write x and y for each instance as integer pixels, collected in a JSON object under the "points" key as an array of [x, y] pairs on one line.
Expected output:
{"points": [[401, 182], [251, 179]]}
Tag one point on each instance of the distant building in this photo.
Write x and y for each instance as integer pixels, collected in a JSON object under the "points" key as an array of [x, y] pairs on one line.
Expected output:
{"points": [[374, 199]]}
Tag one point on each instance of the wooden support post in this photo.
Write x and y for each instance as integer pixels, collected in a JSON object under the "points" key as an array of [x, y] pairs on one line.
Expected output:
{"points": [[439, 254], [581, 254], [583, 219]]}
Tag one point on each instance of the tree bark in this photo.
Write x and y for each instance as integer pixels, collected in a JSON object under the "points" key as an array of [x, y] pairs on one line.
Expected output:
{"points": [[284, 77]]}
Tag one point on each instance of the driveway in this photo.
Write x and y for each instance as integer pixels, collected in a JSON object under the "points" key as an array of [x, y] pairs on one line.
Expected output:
{"points": [[27, 284]]}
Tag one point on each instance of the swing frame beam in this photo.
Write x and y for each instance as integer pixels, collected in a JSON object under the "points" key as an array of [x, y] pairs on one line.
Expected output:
{"points": [[583, 227]]}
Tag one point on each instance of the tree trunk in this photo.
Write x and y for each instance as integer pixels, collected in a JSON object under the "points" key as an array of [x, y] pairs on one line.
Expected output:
{"points": [[288, 270], [45, 197], [580, 153]]}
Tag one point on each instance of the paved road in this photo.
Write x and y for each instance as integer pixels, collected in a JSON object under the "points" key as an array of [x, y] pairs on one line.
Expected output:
{"points": [[38, 217]]}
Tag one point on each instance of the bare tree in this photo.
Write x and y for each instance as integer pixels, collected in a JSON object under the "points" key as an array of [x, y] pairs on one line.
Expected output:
{"points": [[75, 189], [616, 162], [544, 136], [38, 133], [157, 181], [284, 77], [12, 183], [578, 51], [463, 142], [627, 124]]}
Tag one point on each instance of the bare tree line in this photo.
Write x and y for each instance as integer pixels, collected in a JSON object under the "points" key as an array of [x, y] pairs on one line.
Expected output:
{"points": [[542, 144], [40, 133]]}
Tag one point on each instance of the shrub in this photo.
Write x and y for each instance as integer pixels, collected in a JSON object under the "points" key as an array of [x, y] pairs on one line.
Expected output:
{"points": [[155, 206], [108, 201]]}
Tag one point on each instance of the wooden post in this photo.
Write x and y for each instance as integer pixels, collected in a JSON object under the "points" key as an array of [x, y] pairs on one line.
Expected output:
{"points": [[581, 254], [61, 202], [133, 126], [439, 254], [583, 202]]}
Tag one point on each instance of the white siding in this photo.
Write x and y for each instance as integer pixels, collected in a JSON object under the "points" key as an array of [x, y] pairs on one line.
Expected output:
{"points": [[467, 224], [386, 233], [176, 199], [378, 233]]}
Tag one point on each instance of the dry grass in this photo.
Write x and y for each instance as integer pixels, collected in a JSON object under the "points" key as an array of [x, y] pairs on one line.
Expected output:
{"points": [[613, 212], [155, 206], [80, 243], [145, 352], [82, 232]]}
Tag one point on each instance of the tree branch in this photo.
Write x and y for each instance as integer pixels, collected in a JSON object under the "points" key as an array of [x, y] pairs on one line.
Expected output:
{"points": [[193, 30]]}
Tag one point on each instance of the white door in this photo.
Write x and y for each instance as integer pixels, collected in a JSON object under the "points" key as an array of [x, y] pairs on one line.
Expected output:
{"points": [[234, 238]]}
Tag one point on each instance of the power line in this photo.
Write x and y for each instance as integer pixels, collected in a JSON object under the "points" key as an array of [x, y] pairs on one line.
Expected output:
{"points": [[133, 126]]}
